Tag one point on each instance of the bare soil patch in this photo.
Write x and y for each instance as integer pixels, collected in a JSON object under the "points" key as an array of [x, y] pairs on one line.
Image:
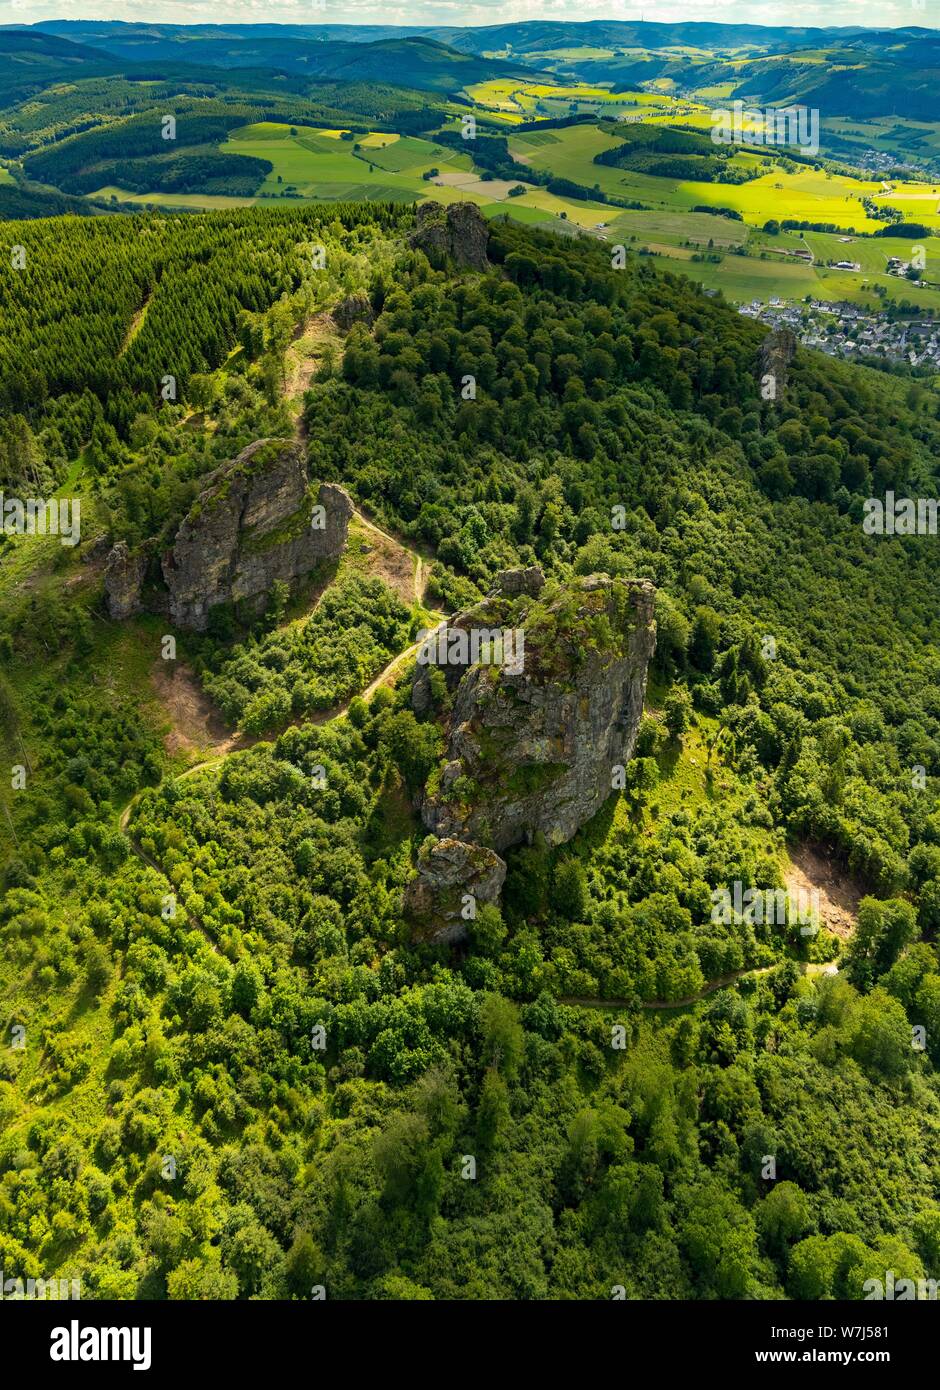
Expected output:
{"points": [[196, 724], [416, 563], [470, 182], [390, 562], [812, 868]]}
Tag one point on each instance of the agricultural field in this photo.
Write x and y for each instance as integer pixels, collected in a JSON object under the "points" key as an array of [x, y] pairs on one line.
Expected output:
{"points": [[194, 202], [806, 194], [767, 270], [702, 229], [531, 101], [320, 165], [317, 165], [742, 279], [872, 253]]}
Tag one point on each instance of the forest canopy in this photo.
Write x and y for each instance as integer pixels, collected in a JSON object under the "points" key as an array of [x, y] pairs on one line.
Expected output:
{"points": [[209, 956]]}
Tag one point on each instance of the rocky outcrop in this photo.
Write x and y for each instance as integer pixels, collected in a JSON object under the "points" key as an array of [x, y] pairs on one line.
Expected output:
{"points": [[514, 582], [256, 522], [355, 308], [95, 550], [125, 571], [457, 233], [532, 741], [453, 879], [776, 353]]}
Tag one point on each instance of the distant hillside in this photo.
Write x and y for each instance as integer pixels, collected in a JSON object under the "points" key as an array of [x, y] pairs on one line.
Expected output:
{"points": [[30, 61], [903, 84], [860, 73], [531, 36], [21, 203], [848, 71], [414, 60]]}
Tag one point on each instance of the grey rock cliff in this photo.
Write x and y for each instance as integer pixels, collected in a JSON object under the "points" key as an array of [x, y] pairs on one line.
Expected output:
{"points": [[458, 233], [776, 353], [256, 522], [448, 871], [531, 748], [124, 575], [514, 582], [354, 308]]}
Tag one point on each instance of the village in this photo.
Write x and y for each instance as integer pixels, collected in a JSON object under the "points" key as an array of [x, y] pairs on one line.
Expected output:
{"points": [[851, 331]]}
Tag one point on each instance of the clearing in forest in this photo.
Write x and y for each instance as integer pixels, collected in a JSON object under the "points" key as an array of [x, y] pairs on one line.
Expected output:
{"points": [[196, 725], [812, 869]]}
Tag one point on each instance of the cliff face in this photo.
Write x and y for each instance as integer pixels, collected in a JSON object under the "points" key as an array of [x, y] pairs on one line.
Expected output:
{"points": [[256, 522], [531, 744], [354, 308], [776, 353], [125, 571], [458, 233]]}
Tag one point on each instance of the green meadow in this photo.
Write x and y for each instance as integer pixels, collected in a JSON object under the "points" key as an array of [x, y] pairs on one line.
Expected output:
{"points": [[743, 278], [318, 165]]}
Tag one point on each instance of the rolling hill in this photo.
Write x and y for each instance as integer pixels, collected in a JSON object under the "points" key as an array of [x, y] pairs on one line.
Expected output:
{"points": [[31, 60], [416, 60]]}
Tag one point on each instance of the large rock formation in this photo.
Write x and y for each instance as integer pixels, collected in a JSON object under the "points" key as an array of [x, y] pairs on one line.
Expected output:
{"points": [[776, 353], [256, 522], [453, 877], [532, 741], [354, 308], [125, 571], [458, 233]]}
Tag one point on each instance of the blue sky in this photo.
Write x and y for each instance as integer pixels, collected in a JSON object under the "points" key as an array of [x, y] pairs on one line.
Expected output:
{"points": [[881, 13]]}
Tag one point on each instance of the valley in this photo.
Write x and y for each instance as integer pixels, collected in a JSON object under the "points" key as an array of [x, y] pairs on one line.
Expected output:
{"points": [[856, 175]]}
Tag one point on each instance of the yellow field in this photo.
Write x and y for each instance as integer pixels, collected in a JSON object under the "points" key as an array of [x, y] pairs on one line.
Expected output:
{"points": [[377, 140], [508, 97], [806, 196]]}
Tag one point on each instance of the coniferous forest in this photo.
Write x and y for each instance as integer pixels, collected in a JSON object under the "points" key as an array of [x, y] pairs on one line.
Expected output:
{"points": [[231, 1065]]}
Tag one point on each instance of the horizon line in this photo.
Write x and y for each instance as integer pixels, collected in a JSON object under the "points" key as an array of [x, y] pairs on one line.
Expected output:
{"points": [[505, 24]]}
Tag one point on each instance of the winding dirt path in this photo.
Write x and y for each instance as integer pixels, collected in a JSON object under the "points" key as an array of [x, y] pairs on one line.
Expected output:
{"points": [[237, 742], [420, 581]]}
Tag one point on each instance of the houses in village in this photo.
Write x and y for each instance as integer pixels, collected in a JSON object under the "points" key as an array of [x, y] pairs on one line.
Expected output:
{"points": [[850, 331]]}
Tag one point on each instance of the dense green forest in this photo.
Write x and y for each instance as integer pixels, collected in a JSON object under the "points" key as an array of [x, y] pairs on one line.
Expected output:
{"points": [[242, 1075]]}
